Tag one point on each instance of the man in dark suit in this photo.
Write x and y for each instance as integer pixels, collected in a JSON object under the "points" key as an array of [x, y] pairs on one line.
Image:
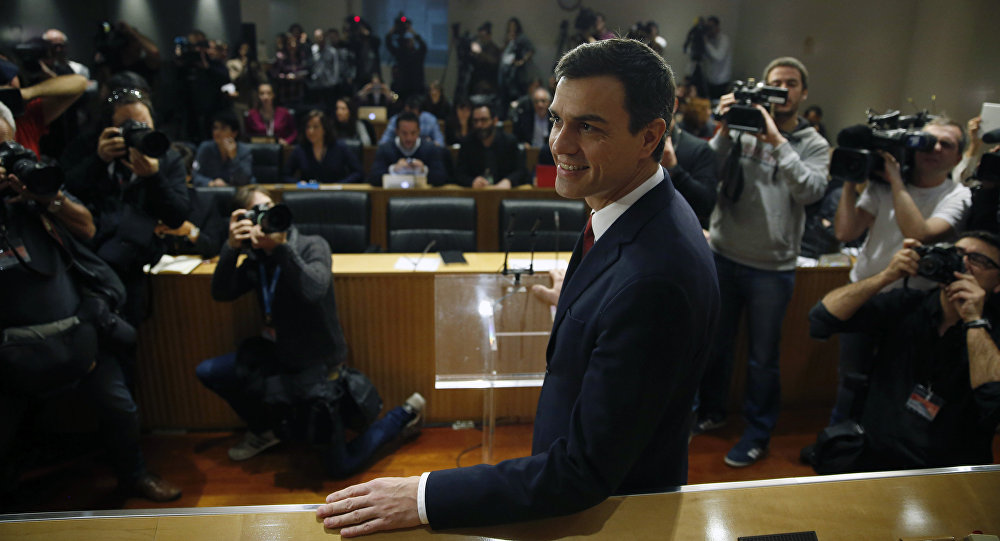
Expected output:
{"points": [[407, 154], [532, 127], [631, 333]]}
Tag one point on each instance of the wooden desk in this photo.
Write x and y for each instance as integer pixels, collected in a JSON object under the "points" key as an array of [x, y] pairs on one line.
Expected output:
{"points": [[388, 321], [883, 506]]}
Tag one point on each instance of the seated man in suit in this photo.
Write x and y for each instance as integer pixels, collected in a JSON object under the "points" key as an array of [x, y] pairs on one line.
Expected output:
{"points": [[407, 154], [430, 130], [631, 333], [489, 158], [532, 127]]}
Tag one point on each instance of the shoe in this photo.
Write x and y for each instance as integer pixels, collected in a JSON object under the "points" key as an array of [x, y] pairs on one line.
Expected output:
{"points": [[808, 455], [745, 453], [704, 424], [415, 404], [253, 444], [153, 488]]}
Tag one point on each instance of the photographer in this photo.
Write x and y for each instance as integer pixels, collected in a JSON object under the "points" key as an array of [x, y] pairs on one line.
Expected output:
{"points": [[59, 327], [756, 231], [927, 207], [44, 102], [298, 362], [934, 397], [130, 192], [409, 50], [485, 58], [203, 76], [712, 55]]}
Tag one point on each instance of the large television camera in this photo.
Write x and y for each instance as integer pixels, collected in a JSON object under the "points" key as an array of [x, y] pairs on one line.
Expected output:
{"points": [[744, 115], [857, 159], [41, 180]]}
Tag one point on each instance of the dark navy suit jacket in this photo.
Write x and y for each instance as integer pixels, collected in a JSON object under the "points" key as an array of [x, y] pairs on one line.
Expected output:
{"points": [[632, 331]]}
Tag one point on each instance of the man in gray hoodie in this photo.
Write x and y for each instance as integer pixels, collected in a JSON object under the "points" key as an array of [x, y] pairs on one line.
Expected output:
{"points": [[755, 232]]}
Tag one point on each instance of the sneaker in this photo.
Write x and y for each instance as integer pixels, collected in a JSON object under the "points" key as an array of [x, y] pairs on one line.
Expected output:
{"points": [[155, 489], [745, 453], [253, 444], [415, 405], [705, 424]]}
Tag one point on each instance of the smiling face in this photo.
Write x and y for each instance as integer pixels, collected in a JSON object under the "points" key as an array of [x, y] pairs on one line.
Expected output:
{"points": [[597, 157]]}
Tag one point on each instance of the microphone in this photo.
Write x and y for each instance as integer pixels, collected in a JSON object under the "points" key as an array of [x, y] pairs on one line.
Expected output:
{"points": [[555, 217], [992, 136], [506, 243], [534, 237], [422, 254]]}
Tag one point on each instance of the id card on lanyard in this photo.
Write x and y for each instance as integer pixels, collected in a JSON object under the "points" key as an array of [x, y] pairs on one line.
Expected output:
{"points": [[267, 297]]}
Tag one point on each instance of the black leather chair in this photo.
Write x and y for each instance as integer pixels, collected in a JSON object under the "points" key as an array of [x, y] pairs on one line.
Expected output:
{"points": [[524, 213], [266, 162], [354, 145], [341, 217], [415, 221]]}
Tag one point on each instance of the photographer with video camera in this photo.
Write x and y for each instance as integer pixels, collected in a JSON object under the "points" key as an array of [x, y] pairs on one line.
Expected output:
{"points": [[934, 396], [409, 50], [712, 56], [132, 183], [58, 328], [292, 381], [925, 205], [40, 104], [766, 180]]}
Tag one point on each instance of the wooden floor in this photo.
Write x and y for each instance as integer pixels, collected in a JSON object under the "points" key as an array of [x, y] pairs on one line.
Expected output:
{"points": [[293, 473]]}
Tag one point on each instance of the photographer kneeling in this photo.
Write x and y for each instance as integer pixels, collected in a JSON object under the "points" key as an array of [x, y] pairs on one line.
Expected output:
{"points": [[292, 380], [934, 391]]}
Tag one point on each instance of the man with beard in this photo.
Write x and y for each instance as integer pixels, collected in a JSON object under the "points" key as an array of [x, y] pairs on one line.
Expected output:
{"points": [[489, 158]]}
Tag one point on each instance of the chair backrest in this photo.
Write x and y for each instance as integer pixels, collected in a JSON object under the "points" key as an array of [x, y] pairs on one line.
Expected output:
{"points": [[524, 213], [267, 162], [213, 199], [354, 145], [415, 221], [341, 217]]}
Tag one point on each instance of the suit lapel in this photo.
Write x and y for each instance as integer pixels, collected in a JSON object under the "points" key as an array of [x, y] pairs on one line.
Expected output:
{"points": [[583, 271]]}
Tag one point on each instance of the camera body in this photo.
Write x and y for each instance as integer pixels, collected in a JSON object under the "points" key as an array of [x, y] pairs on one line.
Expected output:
{"points": [[274, 219], [939, 262], [744, 115], [140, 136], [856, 158], [41, 180], [110, 41], [989, 168]]}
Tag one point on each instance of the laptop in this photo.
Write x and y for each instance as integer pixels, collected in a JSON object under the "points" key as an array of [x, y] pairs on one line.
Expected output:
{"points": [[372, 113], [404, 181], [545, 176]]}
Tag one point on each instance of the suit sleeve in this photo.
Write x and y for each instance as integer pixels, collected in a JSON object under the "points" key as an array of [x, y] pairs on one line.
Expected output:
{"points": [[380, 166], [641, 355], [518, 172]]}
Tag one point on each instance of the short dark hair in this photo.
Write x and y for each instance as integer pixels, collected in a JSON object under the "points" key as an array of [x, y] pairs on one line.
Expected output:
{"points": [[647, 79], [415, 102], [407, 116], [989, 238], [814, 108], [227, 117]]}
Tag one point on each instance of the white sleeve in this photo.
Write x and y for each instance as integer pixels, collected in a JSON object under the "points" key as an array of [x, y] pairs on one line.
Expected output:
{"points": [[869, 200], [954, 207], [421, 500]]}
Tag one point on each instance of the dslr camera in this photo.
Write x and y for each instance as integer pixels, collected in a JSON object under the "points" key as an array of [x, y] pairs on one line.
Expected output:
{"points": [[140, 136], [939, 262], [743, 115], [41, 180], [274, 219], [857, 159]]}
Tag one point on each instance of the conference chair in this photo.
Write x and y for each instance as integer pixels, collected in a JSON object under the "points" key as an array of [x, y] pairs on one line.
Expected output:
{"points": [[414, 222], [267, 162], [340, 217], [518, 217]]}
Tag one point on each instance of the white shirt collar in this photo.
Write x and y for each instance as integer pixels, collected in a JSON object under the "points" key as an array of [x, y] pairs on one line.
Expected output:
{"points": [[602, 220]]}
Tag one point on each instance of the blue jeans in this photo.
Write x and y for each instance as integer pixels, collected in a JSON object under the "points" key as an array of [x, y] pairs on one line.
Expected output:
{"points": [[764, 295], [342, 458]]}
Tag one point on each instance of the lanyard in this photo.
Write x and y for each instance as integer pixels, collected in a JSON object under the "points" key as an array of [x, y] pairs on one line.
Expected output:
{"points": [[267, 291]]}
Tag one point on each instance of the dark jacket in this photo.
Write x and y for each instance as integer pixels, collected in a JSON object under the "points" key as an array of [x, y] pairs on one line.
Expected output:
{"points": [[631, 334], [695, 173], [473, 160], [429, 153]]}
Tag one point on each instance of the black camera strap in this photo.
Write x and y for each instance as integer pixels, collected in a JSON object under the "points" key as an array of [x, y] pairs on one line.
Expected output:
{"points": [[732, 171]]}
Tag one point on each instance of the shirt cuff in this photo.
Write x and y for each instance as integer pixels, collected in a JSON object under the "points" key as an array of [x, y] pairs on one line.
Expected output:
{"points": [[421, 499]]}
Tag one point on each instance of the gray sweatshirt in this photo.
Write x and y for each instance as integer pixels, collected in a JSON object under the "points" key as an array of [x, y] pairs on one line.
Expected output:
{"points": [[763, 228]]}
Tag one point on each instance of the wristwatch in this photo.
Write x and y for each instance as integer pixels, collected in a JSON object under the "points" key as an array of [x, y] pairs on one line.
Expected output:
{"points": [[976, 323], [194, 233], [56, 204]]}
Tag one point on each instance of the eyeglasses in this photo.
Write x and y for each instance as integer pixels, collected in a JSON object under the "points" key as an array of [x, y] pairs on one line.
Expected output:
{"points": [[120, 94], [977, 259]]}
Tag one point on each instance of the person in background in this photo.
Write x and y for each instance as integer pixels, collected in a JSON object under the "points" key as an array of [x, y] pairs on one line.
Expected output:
{"points": [[489, 157], [375, 93], [435, 103], [408, 155], [532, 128], [514, 72], [269, 119], [44, 102], [814, 115], [321, 157], [457, 127], [347, 125], [223, 161], [429, 127]]}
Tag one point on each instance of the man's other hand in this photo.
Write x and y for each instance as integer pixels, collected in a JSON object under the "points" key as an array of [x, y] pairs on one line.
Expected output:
{"points": [[550, 295], [266, 241], [967, 296], [904, 262], [141, 164], [669, 159], [771, 134], [725, 103], [239, 229], [389, 503], [111, 144], [480, 182]]}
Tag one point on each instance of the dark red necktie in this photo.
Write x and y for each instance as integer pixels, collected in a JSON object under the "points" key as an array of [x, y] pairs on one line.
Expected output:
{"points": [[588, 236]]}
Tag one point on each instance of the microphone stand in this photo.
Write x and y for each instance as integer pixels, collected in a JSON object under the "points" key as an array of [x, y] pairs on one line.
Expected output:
{"points": [[534, 238], [422, 254], [506, 247], [555, 216]]}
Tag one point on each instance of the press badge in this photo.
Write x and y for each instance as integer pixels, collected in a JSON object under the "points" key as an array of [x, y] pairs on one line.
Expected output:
{"points": [[9, 259], [924, 403]]}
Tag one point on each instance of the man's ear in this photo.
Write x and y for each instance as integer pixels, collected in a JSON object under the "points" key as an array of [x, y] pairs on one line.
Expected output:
{"points": [[652, 134]]}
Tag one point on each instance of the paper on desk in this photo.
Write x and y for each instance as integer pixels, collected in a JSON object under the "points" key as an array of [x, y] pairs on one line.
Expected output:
{"points": [[428, 263], [174, 264], [541, 265]]}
